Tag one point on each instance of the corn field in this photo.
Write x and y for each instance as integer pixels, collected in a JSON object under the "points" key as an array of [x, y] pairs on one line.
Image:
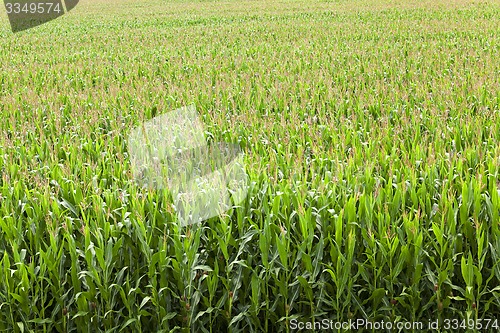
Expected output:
{"points": [[371, 133]]}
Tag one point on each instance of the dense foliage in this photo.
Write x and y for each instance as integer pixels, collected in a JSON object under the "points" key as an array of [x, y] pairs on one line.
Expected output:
{"points": [[372, 139]]}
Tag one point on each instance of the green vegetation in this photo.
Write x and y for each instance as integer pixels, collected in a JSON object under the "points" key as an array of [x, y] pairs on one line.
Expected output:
{"points": [[372, 133]]}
